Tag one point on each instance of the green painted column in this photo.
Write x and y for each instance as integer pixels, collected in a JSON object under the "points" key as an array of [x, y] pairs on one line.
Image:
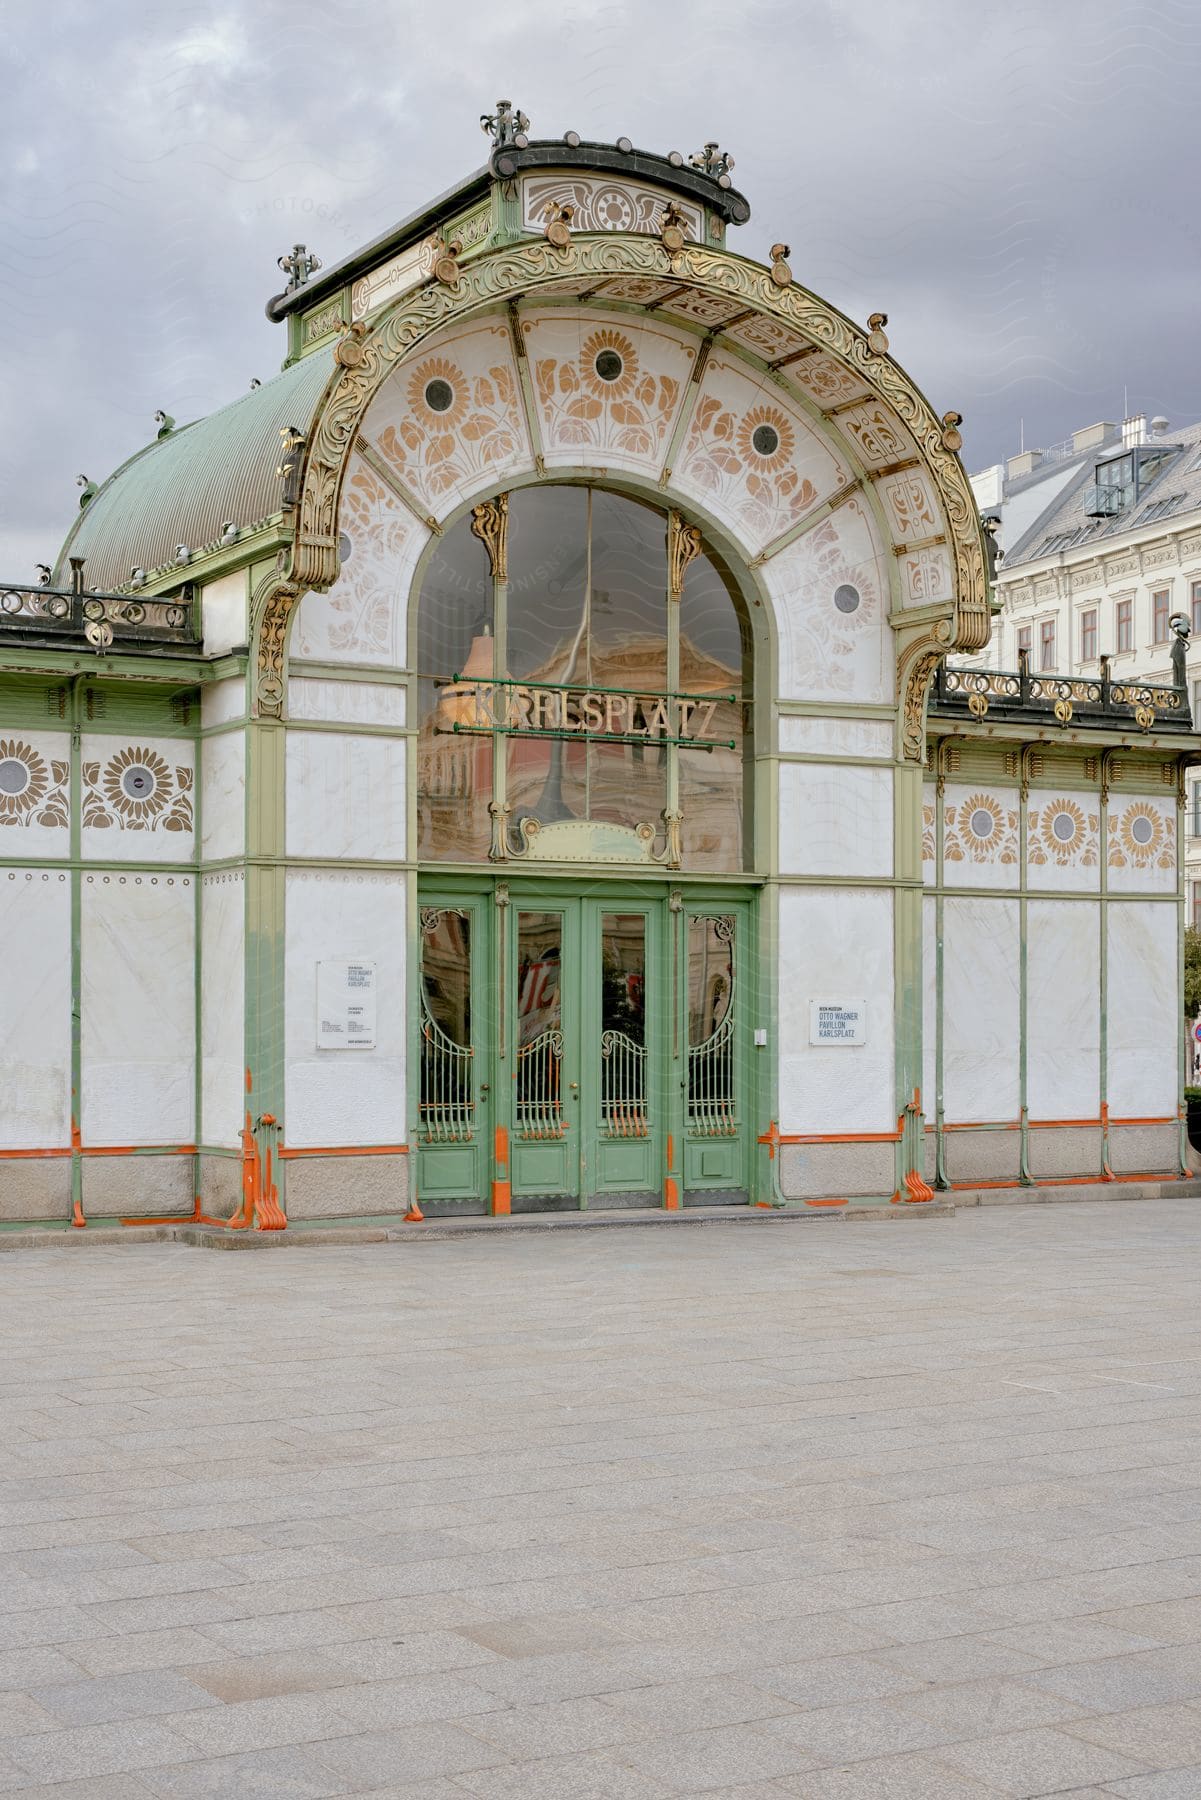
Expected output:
{"points": [[262, 1172], [909, 977]]}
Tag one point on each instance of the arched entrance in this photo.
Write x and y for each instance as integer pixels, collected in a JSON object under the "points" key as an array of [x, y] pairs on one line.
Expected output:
{"points": [[585, 733]]}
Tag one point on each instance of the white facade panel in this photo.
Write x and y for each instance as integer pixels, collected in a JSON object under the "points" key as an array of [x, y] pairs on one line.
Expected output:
{"points": [[836, 944], [981, 1011], [222, 986], [1063, 1009], [346, 702], [1142, 1010], [835, 820], [35, 1011], [345, 796], [138, 1009], [223, 796], [821, 736], [344, 1097], [225, 613]]}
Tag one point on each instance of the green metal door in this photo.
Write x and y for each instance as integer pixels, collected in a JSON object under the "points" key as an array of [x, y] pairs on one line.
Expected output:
{"points": [[714, 951], [456, 1003], [584, 1051]]}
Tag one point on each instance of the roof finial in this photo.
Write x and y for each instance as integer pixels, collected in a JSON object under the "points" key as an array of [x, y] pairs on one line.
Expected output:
{"points": [[711, 160], [505, 126], [298, 267]]}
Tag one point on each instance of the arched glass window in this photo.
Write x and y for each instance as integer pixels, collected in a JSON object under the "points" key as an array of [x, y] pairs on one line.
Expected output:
{"points": [[579, 708]]}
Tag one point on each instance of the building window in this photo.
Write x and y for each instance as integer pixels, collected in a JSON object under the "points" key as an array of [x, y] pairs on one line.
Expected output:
{"points": [[1196, 608], [1023, 639], [1196, 705], [1160, 604], [1088, 635], [1046, 644], [1123, 618], [1193, 816]]}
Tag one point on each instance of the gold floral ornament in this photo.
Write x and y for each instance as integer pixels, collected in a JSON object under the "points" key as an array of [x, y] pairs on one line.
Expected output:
{"points": [[1143, 837], [1060, 832], [32, 791], [980, 830], [605, 396], [753, 450], [455, 427], [137, 791]]}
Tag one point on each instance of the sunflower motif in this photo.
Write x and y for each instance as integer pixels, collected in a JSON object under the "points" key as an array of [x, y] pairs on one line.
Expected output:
{"points": [[981, 822], [437, 392], [1062, 829], [1141, 832], [609, 365], [137, 785], [24, 779], [766, 438]]}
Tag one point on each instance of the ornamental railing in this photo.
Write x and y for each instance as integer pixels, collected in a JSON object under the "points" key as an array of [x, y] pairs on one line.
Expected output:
{"points": [[46, 615], [1019, 697]]}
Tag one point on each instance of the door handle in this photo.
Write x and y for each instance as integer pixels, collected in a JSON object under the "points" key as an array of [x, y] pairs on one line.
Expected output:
{"points": [[485, 1088], [574, 1086]]}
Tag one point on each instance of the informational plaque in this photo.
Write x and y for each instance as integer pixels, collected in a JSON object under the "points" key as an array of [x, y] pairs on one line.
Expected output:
{"points": [[345, 1005], [837, 1022]]}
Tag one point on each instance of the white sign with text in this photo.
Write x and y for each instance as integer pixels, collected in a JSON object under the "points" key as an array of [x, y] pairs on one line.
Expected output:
{"points": [[345, 1005], [837, 1022]]}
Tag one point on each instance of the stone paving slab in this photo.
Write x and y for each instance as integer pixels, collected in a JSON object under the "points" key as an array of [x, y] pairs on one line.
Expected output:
{"points": [[611, 1516]]}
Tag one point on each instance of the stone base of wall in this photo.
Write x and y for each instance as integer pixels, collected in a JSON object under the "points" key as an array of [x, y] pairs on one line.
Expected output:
{"points": [[220, 1185], [813, 1171], [1064, 1152], [138, 1187], [1144, 1149], [340, 1187], [35, 1187], [982, 1155]]}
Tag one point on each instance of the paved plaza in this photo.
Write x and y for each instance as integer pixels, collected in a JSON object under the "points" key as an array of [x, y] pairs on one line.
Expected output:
{"points": [[887, 1512]]}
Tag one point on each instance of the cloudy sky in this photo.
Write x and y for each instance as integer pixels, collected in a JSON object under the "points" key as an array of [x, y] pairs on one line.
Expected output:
{"points": [[1015, 185]]}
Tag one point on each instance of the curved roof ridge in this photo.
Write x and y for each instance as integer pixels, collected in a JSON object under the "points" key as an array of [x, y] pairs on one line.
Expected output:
{"points": [[184, 488]]}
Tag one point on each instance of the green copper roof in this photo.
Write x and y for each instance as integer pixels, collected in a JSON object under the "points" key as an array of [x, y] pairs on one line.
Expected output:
{"points": [[185, 487]]}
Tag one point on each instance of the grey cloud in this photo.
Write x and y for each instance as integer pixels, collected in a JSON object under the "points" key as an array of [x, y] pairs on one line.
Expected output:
{"points": [[1014, 186]]}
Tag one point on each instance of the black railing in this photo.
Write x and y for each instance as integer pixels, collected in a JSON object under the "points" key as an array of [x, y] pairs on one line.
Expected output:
{"points": [[45, 615], [1019, 697]]}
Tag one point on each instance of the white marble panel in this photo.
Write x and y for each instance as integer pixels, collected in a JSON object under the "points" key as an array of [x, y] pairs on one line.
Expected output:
{"points": [[1063, 840], [981, 1013], [929, 1005], [339, 1098], [222, 1025], [981, 843], [364, 616], [222, 701], [138, 1009], [752, 456], [35, 793], [835, 819], [826, 651], [225, 613], [625, 423], [443, 453], [345, 796], [1063, 1009], [138, 795], [346, 702], [35, 1010], [824, 736], [1142, 1010], [223, 796], [1142, 843], [836, 942]]}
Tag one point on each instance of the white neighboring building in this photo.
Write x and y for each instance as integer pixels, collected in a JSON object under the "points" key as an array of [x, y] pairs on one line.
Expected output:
{"points": [[1102, 546]]}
